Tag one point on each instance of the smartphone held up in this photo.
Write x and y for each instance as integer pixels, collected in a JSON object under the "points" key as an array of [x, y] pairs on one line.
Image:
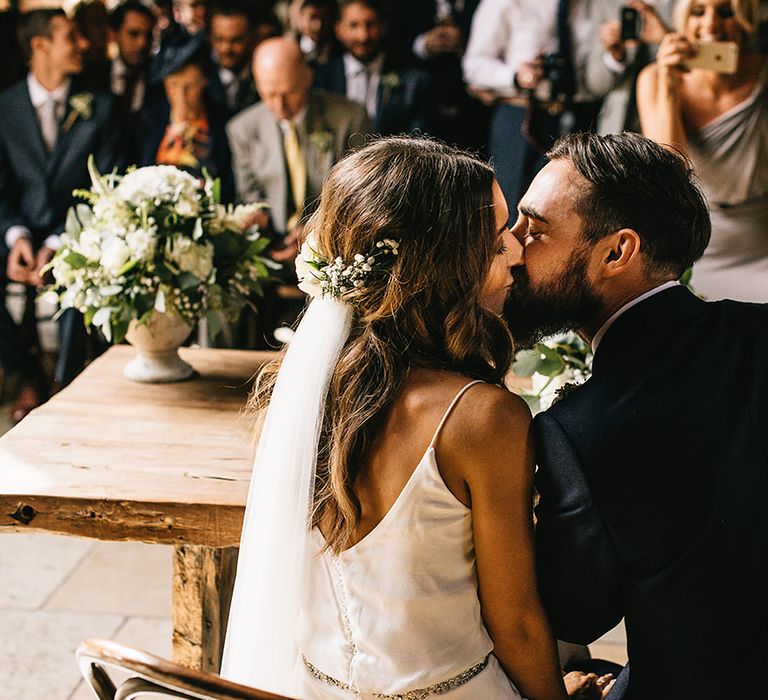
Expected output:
{"points": [[718, 56]]}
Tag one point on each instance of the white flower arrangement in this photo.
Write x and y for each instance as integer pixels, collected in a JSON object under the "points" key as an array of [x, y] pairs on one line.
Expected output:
{"points": [[320, 278], [157, 239]]}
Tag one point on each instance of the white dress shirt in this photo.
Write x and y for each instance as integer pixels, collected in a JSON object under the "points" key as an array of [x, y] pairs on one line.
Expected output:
{"points": [[507, 33], [363, 81], [41, 100], [117, 84], [612, 318]]}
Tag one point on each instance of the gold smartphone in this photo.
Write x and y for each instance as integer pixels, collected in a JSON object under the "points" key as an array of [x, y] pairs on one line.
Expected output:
{"points": [[719, 56]]}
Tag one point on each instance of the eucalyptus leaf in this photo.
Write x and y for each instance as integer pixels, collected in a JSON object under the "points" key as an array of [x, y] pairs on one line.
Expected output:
{"points": [[533, 401], [526, 363], [76, 260]]}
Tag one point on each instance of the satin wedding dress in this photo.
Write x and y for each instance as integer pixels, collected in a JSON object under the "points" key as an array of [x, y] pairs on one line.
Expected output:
{"points": [[397, 615]]}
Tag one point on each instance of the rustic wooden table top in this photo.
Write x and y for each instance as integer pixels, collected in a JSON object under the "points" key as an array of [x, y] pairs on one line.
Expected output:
{"points": [[113, 459]]}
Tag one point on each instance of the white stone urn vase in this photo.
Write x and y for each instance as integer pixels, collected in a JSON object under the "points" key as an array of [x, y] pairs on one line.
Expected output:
{"points": [[157, 344]]}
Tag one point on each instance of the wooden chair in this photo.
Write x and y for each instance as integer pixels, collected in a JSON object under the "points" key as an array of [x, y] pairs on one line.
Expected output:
{"points": [[153, 676]]}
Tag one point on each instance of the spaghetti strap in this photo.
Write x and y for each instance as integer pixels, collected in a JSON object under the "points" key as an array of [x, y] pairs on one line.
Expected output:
{"points": [[450, 408]]}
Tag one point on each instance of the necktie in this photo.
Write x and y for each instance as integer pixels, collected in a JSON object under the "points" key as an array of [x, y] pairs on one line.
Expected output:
{"points": [[129, 91], [49, 122], [565, 46], [297, 172]]}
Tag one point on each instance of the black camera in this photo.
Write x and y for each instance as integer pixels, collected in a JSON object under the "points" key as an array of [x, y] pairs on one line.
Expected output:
{"points": [[558, 71], [631, 23]]}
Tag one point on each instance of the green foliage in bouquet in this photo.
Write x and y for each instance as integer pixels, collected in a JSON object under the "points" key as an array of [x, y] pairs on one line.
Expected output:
{"points": [[157, 239]]}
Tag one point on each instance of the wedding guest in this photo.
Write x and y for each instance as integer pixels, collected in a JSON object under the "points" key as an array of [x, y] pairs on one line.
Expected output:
{"points": [[92, 20], [528, 60], [315, 30], [49, 126], [653, 475], [191, 15], [284, 146], [614, 63], [185, 128], [232, 32], [435, 32], [395, 94], [721, 121], [132, 25]]}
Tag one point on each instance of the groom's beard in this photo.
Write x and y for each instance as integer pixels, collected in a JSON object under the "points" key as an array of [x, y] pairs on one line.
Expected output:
{"points": [[564, 303]]}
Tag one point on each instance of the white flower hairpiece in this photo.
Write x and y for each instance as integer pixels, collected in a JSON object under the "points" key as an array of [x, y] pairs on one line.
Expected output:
{"points": [[320, 278]]}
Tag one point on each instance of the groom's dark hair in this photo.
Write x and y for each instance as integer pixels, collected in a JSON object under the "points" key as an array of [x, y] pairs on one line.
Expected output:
{"points": [[638, 184]]}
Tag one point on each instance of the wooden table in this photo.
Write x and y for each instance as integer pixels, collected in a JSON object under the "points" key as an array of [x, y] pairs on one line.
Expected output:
{"points": [[112, 459]]}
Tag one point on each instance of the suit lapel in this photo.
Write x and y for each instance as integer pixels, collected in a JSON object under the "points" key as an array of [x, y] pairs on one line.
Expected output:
{"points": [[274, 146], [28, 122]]}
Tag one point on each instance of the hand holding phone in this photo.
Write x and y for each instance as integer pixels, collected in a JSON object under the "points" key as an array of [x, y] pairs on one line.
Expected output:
{"points": [[631, 23], [718, 56]]}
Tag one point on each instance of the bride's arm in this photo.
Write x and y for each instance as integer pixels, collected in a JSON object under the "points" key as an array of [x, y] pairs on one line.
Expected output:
{"points": [[493, 449]]}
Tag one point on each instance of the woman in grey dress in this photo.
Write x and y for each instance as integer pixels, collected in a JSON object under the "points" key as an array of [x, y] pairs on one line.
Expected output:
{"points": [[721, 122]]}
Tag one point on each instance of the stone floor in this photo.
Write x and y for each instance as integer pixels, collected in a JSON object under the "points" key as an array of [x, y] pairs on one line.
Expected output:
{"points": [[57, 591]]}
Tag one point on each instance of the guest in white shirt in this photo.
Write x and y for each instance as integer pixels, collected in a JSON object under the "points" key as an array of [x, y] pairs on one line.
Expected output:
{"points": [[132, 24], [511, 45], [394, 93]]}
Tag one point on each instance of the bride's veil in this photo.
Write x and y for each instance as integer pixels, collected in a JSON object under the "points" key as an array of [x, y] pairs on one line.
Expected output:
{"points": [[261, 647]]}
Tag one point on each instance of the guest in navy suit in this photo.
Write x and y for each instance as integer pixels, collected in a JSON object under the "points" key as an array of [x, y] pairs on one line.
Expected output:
{"points": [[394, 93], [49, 125], [184, 127]]}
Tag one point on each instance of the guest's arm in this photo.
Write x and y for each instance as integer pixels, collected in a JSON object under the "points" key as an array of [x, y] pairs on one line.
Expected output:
{"points": [[658, 93], [578, 571]]}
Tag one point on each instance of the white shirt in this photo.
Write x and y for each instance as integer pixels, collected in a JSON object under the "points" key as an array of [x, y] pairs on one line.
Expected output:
{"points": [[117, 84], [363, 81], [40, 97], [611, 319], [507, 33]]}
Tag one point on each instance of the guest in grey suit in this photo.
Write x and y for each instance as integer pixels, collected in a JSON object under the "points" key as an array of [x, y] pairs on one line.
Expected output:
{"points": [[613, 64], [260, 137], [48, 127]]}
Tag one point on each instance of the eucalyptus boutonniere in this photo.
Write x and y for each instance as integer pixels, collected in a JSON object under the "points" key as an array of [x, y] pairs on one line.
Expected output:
{"points": [[321, 140], [81, 105]]}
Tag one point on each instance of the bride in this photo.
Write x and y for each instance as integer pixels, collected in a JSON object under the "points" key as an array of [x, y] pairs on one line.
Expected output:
{"points": [[387, 548]]}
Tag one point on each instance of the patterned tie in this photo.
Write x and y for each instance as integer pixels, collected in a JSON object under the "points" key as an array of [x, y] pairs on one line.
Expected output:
{"points": [[297, 172], [49, 122]]}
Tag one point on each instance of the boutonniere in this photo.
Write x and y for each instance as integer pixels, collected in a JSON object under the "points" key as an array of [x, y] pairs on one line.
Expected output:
{"points": [[390, 80], [81, 105], [321, 140], [565, 390]]}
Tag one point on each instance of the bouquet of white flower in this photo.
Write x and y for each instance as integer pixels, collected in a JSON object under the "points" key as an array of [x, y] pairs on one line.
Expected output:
{"points": [[157, 239]]}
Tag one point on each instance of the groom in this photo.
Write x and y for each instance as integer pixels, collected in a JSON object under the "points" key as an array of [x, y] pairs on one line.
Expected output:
{"points": [[653, 475]]}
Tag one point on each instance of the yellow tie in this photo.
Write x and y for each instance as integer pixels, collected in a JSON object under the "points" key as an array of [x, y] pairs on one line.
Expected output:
{"points": [[297, 172]]}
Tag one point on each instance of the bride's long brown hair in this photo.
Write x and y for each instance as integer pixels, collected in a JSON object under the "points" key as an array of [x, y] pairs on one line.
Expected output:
{"points": [[423, 311]]}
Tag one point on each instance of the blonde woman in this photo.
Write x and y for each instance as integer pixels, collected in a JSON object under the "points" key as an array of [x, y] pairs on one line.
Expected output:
{"points": [[387, 549], [721, 122]]}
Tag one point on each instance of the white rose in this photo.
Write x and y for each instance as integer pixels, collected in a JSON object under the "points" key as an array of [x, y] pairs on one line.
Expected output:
{"points": [[115, 253], [307, 275], [193, 257], [141, 243], [89, 244], [187, 207]]}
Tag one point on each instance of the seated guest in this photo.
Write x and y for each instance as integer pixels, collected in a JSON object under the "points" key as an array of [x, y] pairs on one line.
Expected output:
{"points": [[283, 147], [314, 31], [92, 21], [49, 125], [132, 25], [614, 64], [395, 94], [183, 127], [233, 39]]}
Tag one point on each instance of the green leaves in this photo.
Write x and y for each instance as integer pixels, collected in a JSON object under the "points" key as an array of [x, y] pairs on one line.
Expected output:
{"points": [[540, 360]]}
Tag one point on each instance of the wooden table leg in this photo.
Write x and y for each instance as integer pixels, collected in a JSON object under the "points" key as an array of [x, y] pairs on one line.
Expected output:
{"points": [[202, 590]]}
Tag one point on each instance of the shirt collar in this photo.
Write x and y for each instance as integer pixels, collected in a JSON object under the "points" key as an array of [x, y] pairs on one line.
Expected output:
{"points": [[612, 318], [355, 67], [38, 95], [297, 120]]}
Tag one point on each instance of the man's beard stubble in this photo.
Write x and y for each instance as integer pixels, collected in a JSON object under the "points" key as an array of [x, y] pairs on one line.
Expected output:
{"points": [[566, 302]]}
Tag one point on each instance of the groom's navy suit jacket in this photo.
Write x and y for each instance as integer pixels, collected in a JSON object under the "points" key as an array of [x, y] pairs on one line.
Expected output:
{"points": [[653, 479]]}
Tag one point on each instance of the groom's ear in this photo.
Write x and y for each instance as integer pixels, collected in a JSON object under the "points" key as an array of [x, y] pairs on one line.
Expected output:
{"points": [[620, 252]]}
